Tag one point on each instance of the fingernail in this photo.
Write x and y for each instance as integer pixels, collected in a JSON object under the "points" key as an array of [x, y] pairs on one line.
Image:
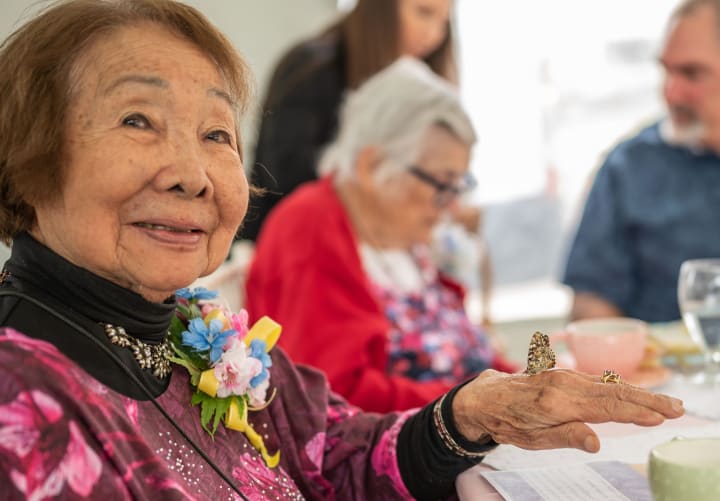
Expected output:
{"points": [[677, 405], [591, 443]]}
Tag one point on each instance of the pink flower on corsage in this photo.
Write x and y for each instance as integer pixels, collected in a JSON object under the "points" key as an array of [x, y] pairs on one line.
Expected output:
{"points": [[239, 322], [235, 370]]}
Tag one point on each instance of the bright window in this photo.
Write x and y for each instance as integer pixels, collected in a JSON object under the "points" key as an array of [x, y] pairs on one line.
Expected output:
{"points": [[551, 87]]}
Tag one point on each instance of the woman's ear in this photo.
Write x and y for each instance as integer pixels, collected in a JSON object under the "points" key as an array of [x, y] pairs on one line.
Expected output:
{"points": [[367, 162]]}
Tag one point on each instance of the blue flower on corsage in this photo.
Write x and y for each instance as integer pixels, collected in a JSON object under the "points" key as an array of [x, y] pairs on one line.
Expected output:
{"points": [[198, 293], [203, 337], [258, 350]]}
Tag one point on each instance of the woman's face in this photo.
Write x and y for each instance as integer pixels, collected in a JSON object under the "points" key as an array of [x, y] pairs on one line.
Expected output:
{"points": [[423, 25], [408, 203], [154, 189]]}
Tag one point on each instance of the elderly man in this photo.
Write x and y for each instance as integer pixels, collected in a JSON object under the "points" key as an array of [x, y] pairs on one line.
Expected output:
{"points": [[655, 201]]}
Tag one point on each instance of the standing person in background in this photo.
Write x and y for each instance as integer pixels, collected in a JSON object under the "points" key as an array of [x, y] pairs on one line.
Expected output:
{"points": [[344, 263], [655, 201], [300, 113]]}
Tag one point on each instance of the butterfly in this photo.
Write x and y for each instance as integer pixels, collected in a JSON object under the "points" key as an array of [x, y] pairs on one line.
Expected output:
{"points": [[540, 356]]}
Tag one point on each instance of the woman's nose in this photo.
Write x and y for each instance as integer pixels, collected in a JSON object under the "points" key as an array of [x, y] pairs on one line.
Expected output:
{"points": [[187, 171]]}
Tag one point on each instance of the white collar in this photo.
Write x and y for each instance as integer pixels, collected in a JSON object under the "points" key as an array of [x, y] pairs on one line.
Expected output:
{"points": [[393, 269]]}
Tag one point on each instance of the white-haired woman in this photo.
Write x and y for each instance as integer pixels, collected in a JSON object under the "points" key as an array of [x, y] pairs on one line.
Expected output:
{"points": [[344, 262]]}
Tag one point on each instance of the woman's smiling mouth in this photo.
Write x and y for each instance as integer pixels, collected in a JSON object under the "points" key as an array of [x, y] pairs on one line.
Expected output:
{"points": [[173, 234]]}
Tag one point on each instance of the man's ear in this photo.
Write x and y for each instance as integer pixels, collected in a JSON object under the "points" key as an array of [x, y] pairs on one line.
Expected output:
{"points": [[367, 162]]}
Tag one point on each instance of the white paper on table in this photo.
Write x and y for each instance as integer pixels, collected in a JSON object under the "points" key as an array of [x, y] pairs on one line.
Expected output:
{"points": [[698, 400], [632, 449], [599, 481]]}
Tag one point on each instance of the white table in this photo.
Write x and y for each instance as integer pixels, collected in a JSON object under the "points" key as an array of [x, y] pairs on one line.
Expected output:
{"points": [[633, 448]]}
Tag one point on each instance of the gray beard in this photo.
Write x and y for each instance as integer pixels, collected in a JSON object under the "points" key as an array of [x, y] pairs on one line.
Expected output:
{"points": [[689, 136]]}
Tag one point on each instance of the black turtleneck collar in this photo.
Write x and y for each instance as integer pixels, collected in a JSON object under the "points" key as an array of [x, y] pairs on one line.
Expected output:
{"points": [[88, 300]]}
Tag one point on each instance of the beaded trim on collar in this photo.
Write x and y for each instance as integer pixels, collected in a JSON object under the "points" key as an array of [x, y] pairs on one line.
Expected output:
{"points": [[149, 356]]}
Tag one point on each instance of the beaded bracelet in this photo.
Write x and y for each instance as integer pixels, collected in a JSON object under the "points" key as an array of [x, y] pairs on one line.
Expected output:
{"points": [[447, 439]]}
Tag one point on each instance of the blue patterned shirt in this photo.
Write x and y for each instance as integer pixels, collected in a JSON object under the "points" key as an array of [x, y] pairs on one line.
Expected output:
{"points": [[652, 206]]}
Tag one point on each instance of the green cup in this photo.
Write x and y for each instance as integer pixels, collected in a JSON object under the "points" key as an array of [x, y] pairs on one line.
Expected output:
{"points": [[686, 469]]}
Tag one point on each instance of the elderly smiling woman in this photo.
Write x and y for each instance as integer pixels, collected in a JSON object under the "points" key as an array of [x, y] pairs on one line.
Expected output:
{"points": [[121, 182]]}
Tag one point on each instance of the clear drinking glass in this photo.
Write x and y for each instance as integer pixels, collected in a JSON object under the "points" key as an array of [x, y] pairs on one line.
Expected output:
{"points": [[699, 300]]}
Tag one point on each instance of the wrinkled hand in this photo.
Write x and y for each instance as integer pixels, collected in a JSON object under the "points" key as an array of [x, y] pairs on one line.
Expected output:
{"points": [[549, 410]]}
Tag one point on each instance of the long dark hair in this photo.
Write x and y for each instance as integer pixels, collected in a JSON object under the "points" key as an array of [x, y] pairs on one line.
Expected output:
{"points": [[370, 36]]}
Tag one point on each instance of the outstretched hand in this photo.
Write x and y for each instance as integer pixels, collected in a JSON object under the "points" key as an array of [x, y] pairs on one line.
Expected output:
{"points": [[550, 410]]}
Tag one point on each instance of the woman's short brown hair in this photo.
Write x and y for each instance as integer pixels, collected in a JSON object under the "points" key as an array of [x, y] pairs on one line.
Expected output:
{"points": [[37, 66]]}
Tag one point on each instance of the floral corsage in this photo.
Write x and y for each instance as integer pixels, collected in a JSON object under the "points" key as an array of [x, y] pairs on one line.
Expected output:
{"points": [[228, 363]]}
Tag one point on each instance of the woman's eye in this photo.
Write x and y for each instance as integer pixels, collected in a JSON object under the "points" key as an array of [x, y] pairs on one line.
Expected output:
{"points": [[220, 136], [136, 120]]}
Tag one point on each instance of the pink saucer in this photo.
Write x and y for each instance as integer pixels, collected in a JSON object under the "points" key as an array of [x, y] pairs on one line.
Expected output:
{"points": [[650, 377], [644, 378]]}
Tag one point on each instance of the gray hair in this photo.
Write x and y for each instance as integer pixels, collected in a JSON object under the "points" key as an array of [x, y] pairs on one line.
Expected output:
{"points": [[687, 7], [392, 111]]}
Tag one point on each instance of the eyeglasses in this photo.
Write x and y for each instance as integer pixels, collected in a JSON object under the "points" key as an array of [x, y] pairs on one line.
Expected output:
{"points": [[445, 193]]}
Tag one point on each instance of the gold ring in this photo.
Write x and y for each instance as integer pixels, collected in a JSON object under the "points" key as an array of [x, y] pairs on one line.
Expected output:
{"points": [[610, 376]]}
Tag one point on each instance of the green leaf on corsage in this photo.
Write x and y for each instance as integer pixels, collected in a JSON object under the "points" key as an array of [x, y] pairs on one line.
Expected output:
{"points": [[211, 408]]}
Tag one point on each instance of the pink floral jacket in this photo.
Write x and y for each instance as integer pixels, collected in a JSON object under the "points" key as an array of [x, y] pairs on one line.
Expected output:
{"points": [[65, 435]]}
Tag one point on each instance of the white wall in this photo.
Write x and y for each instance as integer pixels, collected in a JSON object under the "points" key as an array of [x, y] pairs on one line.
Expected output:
{"points": [[551, 86], [4, 254]]}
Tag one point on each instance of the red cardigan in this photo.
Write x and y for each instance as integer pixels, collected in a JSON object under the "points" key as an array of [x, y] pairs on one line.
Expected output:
{"points": [[308, 276]]}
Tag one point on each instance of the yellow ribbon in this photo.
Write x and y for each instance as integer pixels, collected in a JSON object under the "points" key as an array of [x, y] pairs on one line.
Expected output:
{"points": [[217, 314], [208, 382], [265, 329], [235, 419]]}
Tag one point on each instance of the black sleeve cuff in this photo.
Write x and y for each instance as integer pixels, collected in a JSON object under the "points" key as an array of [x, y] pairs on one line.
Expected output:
{"points": [[427, 466], [484, 445]]}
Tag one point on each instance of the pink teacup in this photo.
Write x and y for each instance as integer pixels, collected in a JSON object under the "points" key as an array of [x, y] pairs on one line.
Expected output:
{"points": [[598, 344]]}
